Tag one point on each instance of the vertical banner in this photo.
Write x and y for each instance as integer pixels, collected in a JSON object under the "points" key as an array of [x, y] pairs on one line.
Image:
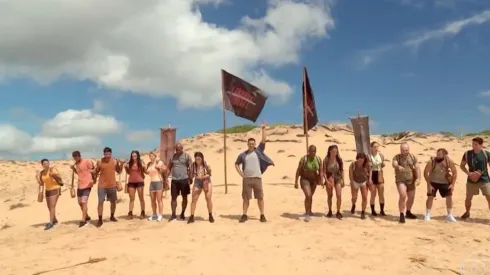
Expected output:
{"points": [[360, 126], [167, 143]]}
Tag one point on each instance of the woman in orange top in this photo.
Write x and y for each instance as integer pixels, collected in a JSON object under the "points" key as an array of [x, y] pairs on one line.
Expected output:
{"points": [[50, 179], [136, 170]]}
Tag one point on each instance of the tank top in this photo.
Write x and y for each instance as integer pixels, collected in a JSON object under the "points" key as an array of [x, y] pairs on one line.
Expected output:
{"points": [[107, 177], [359, 173], [333, 168], [135, 174], [376, 162], [153, 172], [49, 182], [439, 172]]}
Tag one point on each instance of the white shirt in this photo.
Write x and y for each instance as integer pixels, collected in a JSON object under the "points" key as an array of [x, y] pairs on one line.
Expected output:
{"points": [[376, 161]]}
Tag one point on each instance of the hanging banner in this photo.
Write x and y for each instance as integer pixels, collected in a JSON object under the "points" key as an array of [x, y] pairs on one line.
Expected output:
{"points": [[167, 143], [360, 126]]}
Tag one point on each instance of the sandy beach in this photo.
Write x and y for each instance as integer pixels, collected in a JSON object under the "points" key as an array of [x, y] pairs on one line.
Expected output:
{"points": [[284, 245]]}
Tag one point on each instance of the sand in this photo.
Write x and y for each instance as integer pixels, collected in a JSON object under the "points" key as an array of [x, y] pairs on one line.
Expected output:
{"points": [[284, 245]]}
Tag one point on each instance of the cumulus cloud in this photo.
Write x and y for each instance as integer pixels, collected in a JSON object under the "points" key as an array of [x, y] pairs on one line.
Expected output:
{"points": [[141, 136], [155, 47], [66, 131]]}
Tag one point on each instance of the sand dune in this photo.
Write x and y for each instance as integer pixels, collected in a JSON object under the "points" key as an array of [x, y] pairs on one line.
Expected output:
{"points": [[284, 245]]}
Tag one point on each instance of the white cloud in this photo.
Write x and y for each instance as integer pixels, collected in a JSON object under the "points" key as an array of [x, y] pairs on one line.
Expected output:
{"points": [[141, 136], [155, 47], [484, 109], [74, 123], [416, 40], [67, 131], [484, 94], [98, 106]]}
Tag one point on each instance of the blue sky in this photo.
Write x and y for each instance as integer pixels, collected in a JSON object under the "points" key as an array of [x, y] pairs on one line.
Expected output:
{"points": [[409, 65]]}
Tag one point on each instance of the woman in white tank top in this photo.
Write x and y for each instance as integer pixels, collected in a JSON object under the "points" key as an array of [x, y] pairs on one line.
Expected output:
{"points": [[377, 181]]}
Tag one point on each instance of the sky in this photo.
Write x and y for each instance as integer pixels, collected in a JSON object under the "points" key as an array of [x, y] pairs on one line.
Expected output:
{"points": [[85, 74]]}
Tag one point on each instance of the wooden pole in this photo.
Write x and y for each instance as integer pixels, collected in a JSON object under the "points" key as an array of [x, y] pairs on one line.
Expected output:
{"points": [[305, 112], [223, 90]]}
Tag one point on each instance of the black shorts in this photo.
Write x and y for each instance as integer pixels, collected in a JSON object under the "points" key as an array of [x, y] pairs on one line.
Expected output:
{"points": [[136, 185], [375, 177], [180, 187], [443, 189]]}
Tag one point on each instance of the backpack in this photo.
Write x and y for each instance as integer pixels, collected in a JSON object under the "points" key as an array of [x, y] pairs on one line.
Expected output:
{"points": [[449, 175], [471, 164], [317, 159]]}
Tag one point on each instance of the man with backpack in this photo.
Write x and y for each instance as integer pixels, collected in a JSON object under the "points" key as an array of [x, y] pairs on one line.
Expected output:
{"points": [[440, 174], [309, 175], [478, 180], [407, 177]]}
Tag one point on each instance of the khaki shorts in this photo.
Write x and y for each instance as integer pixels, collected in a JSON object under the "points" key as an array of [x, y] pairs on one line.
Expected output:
{"points": [[255, 185], [474, 189], [410, 186]]}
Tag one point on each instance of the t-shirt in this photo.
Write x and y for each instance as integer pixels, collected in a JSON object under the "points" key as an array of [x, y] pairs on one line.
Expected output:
{"points": [[85, 179], [179, 166], [407, 162], [252, 166], [49, 182], [107, 178], [478, 161]]}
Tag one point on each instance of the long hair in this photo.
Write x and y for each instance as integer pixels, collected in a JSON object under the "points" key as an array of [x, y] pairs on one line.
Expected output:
{"points": [[149, 163], [138, 160], [364, 157], [337, 157], [201, 155]]}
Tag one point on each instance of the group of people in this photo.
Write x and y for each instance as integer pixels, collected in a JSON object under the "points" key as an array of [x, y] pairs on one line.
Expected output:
{"points": [[366, 175], [194, 176]]}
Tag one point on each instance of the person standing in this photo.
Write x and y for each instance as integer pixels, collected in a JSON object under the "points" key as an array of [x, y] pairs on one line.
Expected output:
{"points": [[135, 169], [359, 176], [377, 186], [85, 170], [158, 175], [478, 180], [333, 172], [49, 178], [309, 174], [250, 165], [440, 174], [201, 172], [407, 177], [106, 170], [181, 182]]}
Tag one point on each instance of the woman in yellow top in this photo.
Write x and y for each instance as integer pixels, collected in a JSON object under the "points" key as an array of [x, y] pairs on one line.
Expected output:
{"points": [[50, 181]]}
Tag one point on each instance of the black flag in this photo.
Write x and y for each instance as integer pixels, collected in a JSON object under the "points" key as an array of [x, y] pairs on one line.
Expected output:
{"points": [[310, 117], [242, 98]]}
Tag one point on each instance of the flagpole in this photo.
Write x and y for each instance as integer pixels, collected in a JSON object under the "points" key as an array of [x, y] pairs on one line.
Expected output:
{"points": [[224, 129], [305, 105]]}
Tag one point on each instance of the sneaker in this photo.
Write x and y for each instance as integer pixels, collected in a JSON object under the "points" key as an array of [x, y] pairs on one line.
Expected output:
{"points": [[307, 218], [243, 218], [191, 219], [152, 218], [465, 216], [411, 216], [329, 214], [338, 216], [211, 218], [374, 214], [353, 209], [262, 218], [427, 217], [143, 215], [130, 215], [88, 219], [382, 213], [450, 218], [402, 218], [100, 223], [49, 225], [182, 217], [159, 218], [363, 215], [113, 219], [172, 218], [82, 224]]}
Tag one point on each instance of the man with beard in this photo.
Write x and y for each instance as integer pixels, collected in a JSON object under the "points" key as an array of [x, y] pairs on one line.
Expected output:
{"points": [[179, 166]]}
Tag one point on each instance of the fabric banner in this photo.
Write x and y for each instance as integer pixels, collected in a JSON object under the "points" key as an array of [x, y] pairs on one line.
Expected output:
{"points": [[311, 118], [242, 98], [360, 126], [167, 143]]}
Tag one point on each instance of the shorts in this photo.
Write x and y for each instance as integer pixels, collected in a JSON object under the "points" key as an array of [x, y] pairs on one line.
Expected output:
{"points": [[180, 187], [307, 182], [410, 186], [51, 193], [199, 184], [107, 193], [156, 186], [474, 189], [443, 189], [252, 184], [358, 185], [83, 194], [136, 185], [375, 177]]}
